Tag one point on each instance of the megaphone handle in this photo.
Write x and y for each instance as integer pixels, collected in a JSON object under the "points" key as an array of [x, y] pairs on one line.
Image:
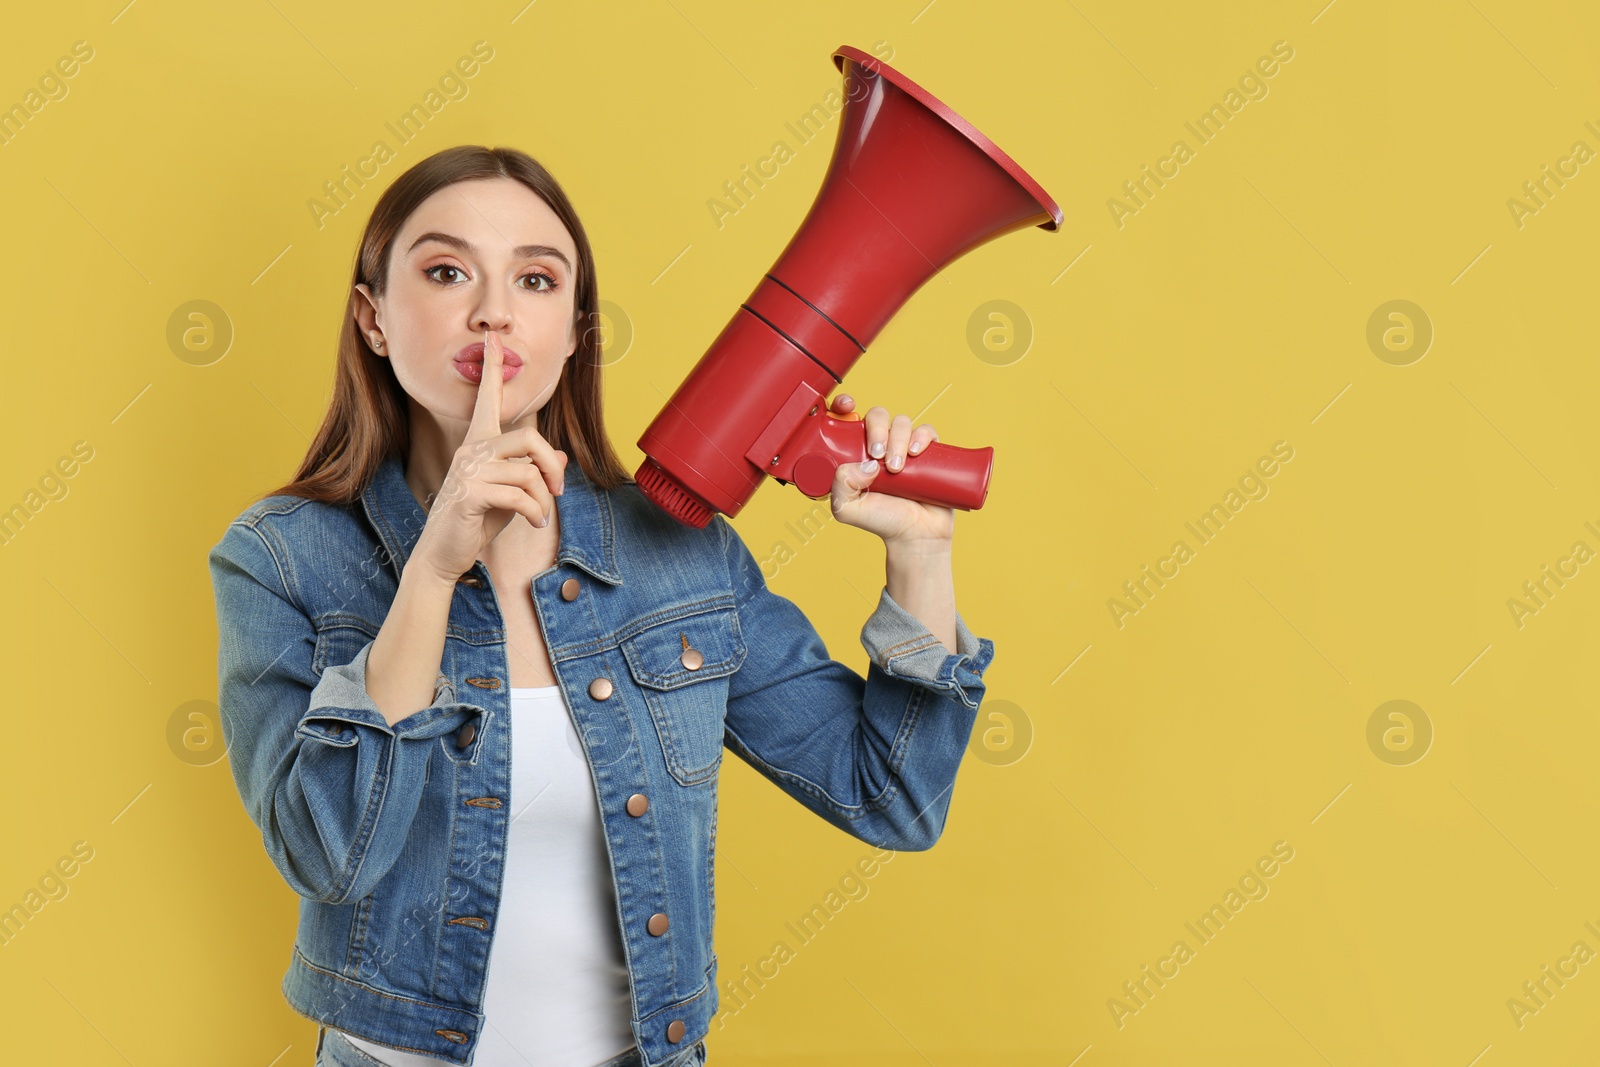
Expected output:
{"points": [[946, 475]]}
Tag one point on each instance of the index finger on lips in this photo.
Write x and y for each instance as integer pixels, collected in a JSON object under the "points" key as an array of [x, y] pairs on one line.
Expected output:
{"points": [[485, 423]]}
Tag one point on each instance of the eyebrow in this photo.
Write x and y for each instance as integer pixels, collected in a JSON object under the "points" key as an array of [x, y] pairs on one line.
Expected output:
{"points": [[521, 251]]}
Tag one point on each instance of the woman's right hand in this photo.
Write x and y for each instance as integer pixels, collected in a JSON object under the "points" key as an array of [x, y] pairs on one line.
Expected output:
{"points": [[493, 478]]}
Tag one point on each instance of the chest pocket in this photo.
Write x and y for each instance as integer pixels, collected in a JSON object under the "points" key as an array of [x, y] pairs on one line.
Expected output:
{"points": [[682, 667]]}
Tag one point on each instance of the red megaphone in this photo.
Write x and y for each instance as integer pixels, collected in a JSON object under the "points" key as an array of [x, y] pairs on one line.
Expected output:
{"points": [[911, 187]]}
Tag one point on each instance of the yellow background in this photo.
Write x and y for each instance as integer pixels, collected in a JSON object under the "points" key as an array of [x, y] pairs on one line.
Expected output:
{"points": [[1229, 313]]}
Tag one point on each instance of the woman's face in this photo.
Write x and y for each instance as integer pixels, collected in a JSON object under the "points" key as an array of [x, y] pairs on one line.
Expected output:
{"points": [[476, 255]]}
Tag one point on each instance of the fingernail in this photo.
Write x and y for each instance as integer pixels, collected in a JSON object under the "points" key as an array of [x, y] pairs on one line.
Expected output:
{"points": [[916, 447], [868, 466], [895, 461], [877, 448]]}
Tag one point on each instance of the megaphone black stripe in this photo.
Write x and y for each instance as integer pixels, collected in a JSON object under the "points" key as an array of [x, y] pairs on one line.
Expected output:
{"points": [[821, 313], [791, 340]]}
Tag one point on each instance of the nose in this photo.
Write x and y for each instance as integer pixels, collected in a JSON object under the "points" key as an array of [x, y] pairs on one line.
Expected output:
{"points": [[493, 313], [496, 320]]}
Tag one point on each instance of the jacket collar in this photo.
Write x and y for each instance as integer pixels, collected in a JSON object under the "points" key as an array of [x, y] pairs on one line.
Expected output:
{"points": [[584, 509]]}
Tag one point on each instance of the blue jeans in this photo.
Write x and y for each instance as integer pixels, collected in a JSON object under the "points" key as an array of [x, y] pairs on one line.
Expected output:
{"points": [[334, 1051]]}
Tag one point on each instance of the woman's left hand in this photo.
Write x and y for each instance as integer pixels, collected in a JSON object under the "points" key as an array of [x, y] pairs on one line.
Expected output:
{"points": [[892, 518]]}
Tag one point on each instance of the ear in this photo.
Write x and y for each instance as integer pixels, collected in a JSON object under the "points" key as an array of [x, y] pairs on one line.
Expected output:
{"points": [[572, 335], [366, 316]]}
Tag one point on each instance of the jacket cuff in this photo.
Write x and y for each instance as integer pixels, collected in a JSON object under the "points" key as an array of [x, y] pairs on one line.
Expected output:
{"points": [[902, 647], [340, 700]]}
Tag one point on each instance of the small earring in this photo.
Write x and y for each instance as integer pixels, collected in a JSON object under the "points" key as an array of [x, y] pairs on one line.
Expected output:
{"points": [[378, 343]]}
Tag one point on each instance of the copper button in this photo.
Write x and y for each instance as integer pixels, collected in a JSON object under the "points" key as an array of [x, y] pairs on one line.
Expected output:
{"points": [[691, 657], [600, 688], [638, 804], [467, 579], [657, 924], [569, 589], [675, 1031], [464, 738]]}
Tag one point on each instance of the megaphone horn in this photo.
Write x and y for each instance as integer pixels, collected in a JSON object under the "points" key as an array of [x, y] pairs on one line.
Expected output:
{"points": [[911, 187]]}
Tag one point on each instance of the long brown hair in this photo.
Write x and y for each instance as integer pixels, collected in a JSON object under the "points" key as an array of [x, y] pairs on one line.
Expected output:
{"points": [[368, 418]]}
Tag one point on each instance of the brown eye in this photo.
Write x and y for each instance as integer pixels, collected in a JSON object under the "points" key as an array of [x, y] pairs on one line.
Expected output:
{"points": [[441, 266]]}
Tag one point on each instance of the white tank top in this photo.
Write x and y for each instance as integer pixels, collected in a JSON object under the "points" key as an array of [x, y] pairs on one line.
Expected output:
{"points": [[558, 982]]}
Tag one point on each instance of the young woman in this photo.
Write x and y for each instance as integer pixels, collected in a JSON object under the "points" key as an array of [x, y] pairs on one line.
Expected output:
{"points": [[475, 694]]}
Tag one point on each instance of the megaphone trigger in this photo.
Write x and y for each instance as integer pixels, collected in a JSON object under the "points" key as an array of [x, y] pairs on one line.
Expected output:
{"points": [[947, 475]]}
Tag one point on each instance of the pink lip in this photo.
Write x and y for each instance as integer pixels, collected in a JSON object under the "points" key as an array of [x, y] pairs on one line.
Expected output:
{"points": [[469, 364], [473, 353]]}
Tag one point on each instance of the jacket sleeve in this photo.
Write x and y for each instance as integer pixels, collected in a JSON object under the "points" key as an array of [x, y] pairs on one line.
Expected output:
{"points": [[875, 756], [332, 786]]}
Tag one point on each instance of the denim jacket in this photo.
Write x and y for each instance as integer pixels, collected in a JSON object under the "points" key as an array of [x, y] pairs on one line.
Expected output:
{"points": [[667, 645]]}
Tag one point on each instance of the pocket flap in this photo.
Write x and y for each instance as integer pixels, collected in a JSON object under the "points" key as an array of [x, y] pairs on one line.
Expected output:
{"points": [[660, 656]]}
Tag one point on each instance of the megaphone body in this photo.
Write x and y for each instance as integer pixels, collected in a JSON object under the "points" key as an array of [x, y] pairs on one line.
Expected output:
{"points": [[911, 187]]}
